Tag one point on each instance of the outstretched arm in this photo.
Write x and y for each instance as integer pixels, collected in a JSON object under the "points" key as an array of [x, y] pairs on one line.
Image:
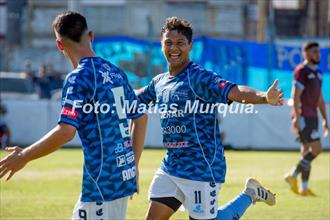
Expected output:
{"points": [[19, 157], [323, 111], [244, 94]]}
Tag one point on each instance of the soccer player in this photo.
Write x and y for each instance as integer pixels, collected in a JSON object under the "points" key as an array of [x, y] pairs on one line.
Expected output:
{"points": [[110, 161], [194, 167], [307, 98]]}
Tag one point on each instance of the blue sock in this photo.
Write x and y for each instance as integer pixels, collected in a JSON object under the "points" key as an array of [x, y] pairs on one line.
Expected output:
{"points": [[234, 209]]}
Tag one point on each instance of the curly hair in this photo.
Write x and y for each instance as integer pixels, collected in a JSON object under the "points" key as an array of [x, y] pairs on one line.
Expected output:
{"points": [[180, 25]]}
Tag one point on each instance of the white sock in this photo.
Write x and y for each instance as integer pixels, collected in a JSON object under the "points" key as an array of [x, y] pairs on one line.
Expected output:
{"points": [[304, 185]]}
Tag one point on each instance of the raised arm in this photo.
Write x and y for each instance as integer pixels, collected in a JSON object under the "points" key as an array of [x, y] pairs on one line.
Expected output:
{"points": [[323, 111], [49, 143], [244, 94]]}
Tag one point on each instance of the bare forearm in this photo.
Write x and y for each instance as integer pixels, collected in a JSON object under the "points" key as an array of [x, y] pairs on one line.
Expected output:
{"points": [[48, 144], [296, 107], [249, 95], [322, 109], [138, 131]]}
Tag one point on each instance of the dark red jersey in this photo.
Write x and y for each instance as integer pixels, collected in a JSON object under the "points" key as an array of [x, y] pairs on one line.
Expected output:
{"points": [[309, 80]]}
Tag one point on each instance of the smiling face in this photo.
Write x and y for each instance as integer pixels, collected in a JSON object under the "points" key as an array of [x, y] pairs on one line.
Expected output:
{"points": [[176, 49]]}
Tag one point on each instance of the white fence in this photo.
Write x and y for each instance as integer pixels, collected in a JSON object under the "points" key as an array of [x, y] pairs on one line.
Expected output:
{"points": [[269, 129]]}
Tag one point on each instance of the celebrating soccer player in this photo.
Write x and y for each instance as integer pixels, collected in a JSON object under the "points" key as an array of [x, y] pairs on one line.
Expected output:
{"points": [[194, 166], [92, 105], [307, 98]]}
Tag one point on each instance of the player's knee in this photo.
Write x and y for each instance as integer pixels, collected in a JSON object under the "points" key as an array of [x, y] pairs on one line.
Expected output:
{"points": [[316, 151], [154, 214], [150, 216]]}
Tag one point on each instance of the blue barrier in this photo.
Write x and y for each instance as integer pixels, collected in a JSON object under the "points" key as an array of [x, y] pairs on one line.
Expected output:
{"points": [[248, 63]]}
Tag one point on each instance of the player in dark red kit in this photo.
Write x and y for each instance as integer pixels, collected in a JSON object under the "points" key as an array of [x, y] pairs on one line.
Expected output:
{"points": [[307, 98]]}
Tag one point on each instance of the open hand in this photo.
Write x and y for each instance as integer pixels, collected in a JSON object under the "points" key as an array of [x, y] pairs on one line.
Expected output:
{"points": [[12, 163], [274, 96]]}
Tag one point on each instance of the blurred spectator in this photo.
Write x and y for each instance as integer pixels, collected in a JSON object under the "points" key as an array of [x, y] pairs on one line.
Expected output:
{"points": [[29, 73], [4, 130], [56, 81], [43, 83]]}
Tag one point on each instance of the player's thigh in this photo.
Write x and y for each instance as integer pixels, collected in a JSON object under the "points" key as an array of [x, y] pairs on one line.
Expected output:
{"points": [[103, 210], [309, 135], [316, 147], [164, 195], [159, 210], [201, 198]]}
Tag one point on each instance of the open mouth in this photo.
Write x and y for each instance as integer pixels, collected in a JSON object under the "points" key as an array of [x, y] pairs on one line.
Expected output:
{"points": [[175, 56]]}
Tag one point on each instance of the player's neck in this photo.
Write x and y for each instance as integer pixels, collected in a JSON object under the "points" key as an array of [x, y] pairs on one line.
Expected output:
{"points": [[311, 64], [76, 57], [177, 69]]}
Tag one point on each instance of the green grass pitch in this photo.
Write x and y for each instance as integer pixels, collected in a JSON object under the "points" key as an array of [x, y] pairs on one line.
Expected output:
{"points": [[49, 187]]}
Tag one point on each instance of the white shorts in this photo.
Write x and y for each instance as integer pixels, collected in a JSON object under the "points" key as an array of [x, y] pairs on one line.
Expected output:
{"points": [[199, 198], [114, 210]]}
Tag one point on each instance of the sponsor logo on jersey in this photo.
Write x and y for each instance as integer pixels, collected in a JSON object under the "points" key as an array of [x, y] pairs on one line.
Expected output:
{"points": [[198, 209], [130, 157], [311, 76], [119, 148], [128, 143], [166, 95], [69, 90], [217, 79], [99, 212], [106, 77], [66, 111], [128, 174], [172, 114], [181, 144], [223, 84], [179, 95], [72, 79], [213, 193], [213, 184], [106, 66], [121, 161]]}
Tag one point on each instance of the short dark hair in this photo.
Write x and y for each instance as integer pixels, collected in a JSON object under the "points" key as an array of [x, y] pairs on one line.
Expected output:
{"points": [[70, 24], [310, 45], [180, 25]]}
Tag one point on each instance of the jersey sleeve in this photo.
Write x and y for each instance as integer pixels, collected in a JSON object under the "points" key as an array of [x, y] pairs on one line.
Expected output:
{"points": [[147, 94], [211, 87], [299, 78], [74, 96]]}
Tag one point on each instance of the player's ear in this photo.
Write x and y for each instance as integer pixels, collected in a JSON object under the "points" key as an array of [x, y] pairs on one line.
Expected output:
{"points": [[190, 45], [91, 36], [59, 45]]}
